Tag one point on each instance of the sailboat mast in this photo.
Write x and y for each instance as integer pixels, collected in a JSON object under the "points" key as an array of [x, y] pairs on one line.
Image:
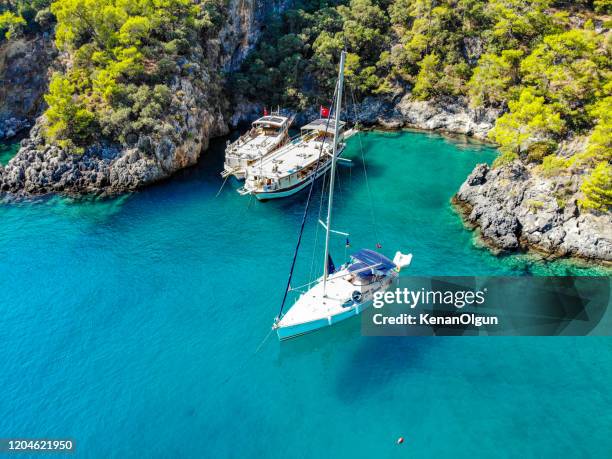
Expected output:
{"points": [[333, 169]]}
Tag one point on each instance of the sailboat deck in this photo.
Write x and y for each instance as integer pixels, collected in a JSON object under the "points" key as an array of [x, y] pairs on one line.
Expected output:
{"points": [[290, 159], [313, 305], [256, 146]]}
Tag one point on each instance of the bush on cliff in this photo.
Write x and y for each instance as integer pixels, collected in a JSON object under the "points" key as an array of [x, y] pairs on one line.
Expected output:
{"points": [[23, 16], [124, 54], [597, 188], [10, 23], [529, 120]]}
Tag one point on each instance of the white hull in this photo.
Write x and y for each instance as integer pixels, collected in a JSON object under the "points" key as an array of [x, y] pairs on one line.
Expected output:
{"points": [[237, 162], [344, 295], [265, 195], [293, 331]]}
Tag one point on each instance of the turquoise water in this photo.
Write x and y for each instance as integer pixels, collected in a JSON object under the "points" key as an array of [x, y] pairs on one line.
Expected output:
{"points": [[130, 326], [7, 151]]}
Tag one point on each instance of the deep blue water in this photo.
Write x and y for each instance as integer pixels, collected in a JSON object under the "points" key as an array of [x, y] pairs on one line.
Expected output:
{"points": [[130, 326]]}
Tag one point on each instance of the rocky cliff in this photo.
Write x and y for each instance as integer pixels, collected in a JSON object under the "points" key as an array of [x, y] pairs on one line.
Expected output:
{"points": [[195, 115], [24, 67], [452, 116], [516, 208]]}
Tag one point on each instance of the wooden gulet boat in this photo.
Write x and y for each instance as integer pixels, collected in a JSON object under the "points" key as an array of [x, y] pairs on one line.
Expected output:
{"points": [[266, 135]]}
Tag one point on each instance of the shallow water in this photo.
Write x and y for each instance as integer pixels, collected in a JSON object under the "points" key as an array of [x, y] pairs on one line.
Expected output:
{"points": [[129, 325], [7, 151]]}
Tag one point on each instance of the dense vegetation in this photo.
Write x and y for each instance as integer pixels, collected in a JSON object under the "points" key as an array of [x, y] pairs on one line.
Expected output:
{"points": [[545, 64], [123, 54], [20, 17], [542, 62]]}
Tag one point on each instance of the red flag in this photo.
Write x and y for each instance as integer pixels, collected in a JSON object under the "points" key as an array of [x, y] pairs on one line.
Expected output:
{"points": [[324, 112], [265, 111]]}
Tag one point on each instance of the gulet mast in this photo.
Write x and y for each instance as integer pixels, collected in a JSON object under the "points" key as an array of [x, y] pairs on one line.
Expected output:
{"points": [[333, 169]]}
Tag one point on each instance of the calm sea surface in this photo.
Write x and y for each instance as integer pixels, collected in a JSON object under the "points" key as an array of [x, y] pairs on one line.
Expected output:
{"points": [[131, 325]]}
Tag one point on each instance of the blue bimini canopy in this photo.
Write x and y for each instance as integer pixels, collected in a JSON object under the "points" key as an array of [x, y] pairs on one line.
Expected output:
{"points": [[367, 262]]}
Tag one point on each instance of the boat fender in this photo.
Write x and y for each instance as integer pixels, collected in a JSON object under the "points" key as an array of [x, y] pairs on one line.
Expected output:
{"points": [[356, 296], [400, 440]]}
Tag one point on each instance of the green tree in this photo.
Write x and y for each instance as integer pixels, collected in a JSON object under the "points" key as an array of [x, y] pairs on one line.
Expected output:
{"points": [[518, 23], [67, 117], [529, 120], [599, 147], [597, 188], [428, 77], [491, 81], [569, 69], [10, 24]]}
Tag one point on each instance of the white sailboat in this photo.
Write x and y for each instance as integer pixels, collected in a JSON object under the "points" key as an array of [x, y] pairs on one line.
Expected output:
{"points": [[267, 134], [347, 291]]}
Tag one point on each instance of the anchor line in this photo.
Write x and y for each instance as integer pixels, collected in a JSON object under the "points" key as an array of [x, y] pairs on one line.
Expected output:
{"points": [[308, 199], [222, 185]]}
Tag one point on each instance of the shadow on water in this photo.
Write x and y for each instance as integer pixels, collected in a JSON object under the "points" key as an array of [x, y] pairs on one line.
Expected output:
{"points": [[376, 362], [369, 363]]}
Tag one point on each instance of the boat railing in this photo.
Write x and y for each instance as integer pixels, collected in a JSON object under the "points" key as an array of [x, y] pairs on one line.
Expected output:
{"points": [[332, 277]]}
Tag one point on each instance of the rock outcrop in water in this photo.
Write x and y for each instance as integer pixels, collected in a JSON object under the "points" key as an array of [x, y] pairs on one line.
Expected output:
{"points": [[195, 115], [512, 207]]}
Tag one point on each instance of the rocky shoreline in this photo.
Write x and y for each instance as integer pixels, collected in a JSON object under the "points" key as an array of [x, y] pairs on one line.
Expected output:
{"points": [[452, 116], [11, 127], [193, 118], [39, 168], [516, 209]]}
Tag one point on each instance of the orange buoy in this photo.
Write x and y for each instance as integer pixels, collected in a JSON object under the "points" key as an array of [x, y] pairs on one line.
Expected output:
{"points": [[400, 440]]}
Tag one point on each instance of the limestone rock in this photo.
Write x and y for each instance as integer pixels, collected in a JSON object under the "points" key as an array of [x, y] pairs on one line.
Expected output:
{"points": [[516, 208]]}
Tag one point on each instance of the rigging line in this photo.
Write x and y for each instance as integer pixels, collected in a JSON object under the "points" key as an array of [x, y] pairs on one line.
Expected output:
{"points": [[312, 183], [263, 342], [222, 185], [240, 215], [314, 249], [332, 277], [365, 173]]}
